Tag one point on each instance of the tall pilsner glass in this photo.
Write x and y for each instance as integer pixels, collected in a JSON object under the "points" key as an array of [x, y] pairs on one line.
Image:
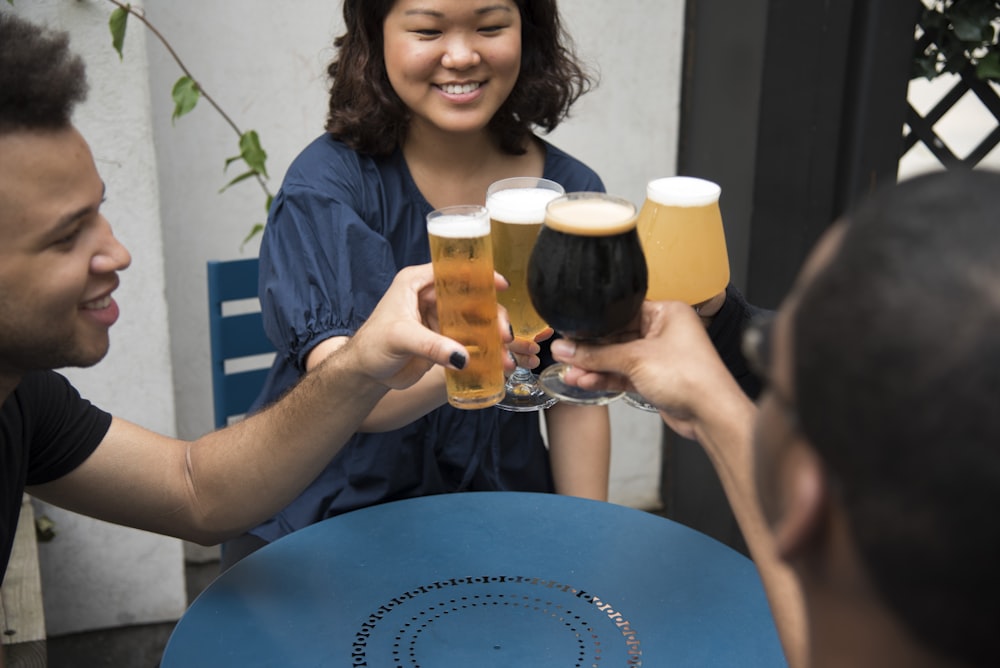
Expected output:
{"points": [[586, 277], [517, 209], [462, 256], [680, 227]]}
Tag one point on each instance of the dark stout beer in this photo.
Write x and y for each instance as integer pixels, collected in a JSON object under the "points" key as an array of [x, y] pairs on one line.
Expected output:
{"points": [[587, 273]]}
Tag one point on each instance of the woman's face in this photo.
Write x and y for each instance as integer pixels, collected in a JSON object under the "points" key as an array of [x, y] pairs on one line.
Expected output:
{"points": [[452, 62]]}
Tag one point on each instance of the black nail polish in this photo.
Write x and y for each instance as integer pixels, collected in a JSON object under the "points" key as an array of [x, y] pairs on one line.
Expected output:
{"points": [[458, 360]]}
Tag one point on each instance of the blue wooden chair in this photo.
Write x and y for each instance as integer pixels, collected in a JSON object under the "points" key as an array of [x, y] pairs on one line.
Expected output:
{"points": [[241, 352]]}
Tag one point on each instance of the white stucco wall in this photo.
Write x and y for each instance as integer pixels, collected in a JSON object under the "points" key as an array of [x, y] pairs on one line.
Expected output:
{"points": [[264, 62]]}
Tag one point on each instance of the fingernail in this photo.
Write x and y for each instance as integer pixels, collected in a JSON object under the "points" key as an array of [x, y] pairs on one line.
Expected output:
{"points": [[563, 347], [458, 360]]}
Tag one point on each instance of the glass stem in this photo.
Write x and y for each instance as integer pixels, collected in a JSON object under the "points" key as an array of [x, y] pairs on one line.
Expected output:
{"points": [[521, 375]]}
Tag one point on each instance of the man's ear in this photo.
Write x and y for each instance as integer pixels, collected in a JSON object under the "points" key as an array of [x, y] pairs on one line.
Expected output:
{"points": [[804, 502]]}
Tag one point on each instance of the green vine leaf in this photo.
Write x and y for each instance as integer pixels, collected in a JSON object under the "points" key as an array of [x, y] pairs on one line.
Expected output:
{"points": [[988, 68], [252, 152], [254, 156], [254, 231], [242, 177], [956, 34], [117, 23], [185, 95]]}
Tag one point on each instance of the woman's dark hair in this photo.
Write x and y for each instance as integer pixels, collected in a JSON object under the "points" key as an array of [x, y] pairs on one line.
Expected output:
{"points": [[367, 115], [41, 81], [897, 381]]}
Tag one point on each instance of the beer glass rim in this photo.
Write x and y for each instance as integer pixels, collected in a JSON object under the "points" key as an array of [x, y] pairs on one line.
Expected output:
{"points": [[460, 220], [683, 191], [618, 225], [524, 182], [475, 210], [506, 206]]}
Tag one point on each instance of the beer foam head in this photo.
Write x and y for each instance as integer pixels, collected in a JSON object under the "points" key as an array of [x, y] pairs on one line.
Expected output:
{"points": [[458, 226], [590, 214], [520, 205], [683, 191]]}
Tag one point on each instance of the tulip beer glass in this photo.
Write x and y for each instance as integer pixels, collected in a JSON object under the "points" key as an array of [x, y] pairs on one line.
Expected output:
{"points": [[586, 277], [462, 257], [680, 228], [517, 210], [681, 231]]}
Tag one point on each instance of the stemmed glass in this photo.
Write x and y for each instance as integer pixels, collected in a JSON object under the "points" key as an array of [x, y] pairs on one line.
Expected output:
{"points": [[586, 277], [680, 227], [517, 209]]}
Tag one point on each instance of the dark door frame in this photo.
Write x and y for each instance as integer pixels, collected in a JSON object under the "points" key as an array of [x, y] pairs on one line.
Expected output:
{"points": [[796, 107]]}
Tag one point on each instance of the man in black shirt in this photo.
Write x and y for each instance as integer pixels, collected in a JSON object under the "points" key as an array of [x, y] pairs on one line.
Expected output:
{"points": [[59, 264]]}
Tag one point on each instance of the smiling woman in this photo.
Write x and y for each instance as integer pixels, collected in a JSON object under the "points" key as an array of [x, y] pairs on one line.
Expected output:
{"points": [[453, 64], [431, 101]]}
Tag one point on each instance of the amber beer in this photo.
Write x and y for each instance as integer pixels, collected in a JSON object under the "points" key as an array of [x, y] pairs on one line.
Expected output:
{"points": [[462, 257], [680, 227], [517, 210]]}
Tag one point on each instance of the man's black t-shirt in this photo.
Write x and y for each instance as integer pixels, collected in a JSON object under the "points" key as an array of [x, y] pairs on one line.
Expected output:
{"points": [[46, 431]]}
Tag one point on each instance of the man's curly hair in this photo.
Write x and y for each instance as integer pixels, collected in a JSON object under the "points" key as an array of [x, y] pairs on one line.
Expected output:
{"points": [[41, 80]]}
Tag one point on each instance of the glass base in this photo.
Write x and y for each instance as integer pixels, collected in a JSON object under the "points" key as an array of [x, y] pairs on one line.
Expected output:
{"points": [[551, 380], [524, 394], [636, 401]]}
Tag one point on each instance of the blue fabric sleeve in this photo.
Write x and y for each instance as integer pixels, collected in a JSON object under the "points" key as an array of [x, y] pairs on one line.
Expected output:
{"points": [[322, 268]]}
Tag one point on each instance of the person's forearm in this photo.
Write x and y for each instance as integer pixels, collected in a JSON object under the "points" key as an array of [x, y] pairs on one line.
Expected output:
{"points": [[284, 447], [399, 408], [580, 450], [726, 435]]}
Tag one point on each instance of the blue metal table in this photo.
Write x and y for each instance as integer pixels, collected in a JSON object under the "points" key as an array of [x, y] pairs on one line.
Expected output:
{"points": [[484, 579]]}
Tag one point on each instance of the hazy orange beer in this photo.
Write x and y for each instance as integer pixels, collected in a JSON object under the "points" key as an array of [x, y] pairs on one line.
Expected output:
{"points": [[462, 256], [682, 237]]}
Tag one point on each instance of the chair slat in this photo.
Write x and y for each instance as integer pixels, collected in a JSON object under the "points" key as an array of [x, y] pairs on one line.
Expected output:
{"points": [[234, 336]]}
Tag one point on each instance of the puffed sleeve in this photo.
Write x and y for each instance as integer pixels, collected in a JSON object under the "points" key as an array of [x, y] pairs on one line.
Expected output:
{"points": [[323, 267]]}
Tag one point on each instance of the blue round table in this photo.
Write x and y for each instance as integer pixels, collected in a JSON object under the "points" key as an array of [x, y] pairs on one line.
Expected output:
{"points": [[484, 579]]}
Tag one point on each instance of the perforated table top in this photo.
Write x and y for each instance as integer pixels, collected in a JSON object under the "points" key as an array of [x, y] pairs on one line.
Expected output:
{"points": [[485, 579]]}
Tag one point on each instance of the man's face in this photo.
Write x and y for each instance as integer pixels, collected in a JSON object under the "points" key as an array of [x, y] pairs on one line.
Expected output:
{"points": [[58, 257]]}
